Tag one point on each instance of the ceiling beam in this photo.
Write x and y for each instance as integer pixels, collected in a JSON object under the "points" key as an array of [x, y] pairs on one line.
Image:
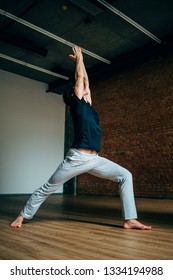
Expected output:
{"points": [[33, 66], [87, 6], [121, 63], [51, 35], [129, 20]]}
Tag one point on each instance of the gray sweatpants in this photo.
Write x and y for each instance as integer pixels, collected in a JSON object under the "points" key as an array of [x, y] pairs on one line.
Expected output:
{"points": [[77, 162]]}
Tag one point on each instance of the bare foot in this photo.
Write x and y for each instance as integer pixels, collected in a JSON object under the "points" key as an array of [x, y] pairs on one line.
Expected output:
{"points": [[18, 222], [134, 224]]}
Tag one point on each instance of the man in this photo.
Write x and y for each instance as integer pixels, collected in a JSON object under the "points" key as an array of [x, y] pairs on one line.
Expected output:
{"points": [[83, 155]]}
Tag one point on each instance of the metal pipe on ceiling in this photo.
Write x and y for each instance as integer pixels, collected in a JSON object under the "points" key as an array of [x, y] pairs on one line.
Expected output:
{"points": [[33, 66], [51, 35], [131, 21]]}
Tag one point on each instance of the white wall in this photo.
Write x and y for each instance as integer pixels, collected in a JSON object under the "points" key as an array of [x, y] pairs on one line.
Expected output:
{"points": [[31, 133]]}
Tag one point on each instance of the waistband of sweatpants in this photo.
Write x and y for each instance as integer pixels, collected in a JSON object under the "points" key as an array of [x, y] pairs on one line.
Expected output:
{"points": [[83, 153]]}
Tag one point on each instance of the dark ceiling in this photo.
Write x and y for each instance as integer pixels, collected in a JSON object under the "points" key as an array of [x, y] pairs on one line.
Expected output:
{"points": [[87, 23]]}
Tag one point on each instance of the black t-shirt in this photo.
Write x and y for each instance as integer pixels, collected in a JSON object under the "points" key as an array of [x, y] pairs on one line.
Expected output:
{"points": [[87, 131]]}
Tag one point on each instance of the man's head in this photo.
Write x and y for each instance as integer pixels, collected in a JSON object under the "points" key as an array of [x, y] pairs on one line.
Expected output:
{"points": [[67, 95]]}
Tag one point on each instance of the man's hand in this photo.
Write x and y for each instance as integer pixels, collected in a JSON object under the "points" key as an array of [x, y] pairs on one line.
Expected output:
{"points": [[77, 53]]}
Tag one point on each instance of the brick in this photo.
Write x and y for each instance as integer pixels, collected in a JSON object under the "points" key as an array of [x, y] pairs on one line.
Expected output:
{"points": [[135, 109]]}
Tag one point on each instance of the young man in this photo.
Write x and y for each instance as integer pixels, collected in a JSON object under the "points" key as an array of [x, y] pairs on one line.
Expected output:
{"points": [[83, 155]]}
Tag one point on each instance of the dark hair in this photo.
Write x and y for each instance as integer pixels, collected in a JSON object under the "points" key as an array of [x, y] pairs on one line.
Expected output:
{"points": [[67, 95]]}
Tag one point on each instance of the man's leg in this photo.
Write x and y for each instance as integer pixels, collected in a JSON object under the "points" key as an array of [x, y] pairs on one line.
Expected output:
{"points": [[73, 165], [107, 169], [63, 173], [39, 196], [35, 201]]}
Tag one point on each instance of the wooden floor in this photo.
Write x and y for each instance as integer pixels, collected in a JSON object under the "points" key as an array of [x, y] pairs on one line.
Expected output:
{"points": [[85, 227]]}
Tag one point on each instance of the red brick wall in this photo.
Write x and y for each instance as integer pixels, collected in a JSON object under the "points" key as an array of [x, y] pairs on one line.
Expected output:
{"points": [[136, 114]]}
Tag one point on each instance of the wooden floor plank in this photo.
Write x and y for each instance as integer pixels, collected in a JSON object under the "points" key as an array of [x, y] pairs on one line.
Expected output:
{"points": [[85, 228]]}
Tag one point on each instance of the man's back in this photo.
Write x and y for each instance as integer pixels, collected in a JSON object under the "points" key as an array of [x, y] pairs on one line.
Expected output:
{"points": [[86, 125]]}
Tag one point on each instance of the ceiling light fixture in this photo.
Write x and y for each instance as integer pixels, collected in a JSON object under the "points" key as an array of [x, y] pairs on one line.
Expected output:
{"points": [[51, 35], [32, 66], [134, 23], [64, 7]]}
